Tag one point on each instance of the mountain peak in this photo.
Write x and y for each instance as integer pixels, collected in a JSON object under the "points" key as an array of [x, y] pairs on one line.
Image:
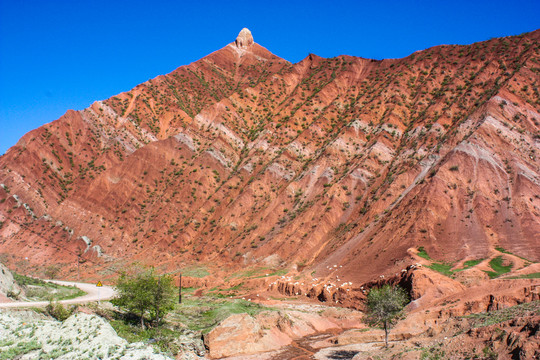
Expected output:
{"points": [[244, 39]]}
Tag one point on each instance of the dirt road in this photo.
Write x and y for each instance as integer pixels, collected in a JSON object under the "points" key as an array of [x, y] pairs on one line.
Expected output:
{"points": [[93, 293]]}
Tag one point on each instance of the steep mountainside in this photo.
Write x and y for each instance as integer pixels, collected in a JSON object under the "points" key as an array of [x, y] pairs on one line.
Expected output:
{"points": [[342, 166]]}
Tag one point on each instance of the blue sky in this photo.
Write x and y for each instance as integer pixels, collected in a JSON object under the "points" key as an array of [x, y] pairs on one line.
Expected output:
{"points": [[59, 55]]}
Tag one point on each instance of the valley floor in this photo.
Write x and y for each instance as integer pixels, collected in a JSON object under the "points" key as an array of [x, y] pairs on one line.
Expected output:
{"points": [[280, 331]]}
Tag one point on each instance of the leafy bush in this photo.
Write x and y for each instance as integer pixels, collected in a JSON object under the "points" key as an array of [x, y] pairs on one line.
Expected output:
{"points": [[146, 293], [58, 311]]}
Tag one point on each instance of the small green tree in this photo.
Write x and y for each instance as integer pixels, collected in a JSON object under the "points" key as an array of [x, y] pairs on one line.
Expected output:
{"points": [[51, 271], [163, 297], [384, 306], [145, 293]]}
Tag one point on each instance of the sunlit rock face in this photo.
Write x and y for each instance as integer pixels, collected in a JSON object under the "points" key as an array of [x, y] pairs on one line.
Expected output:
{"points": [[244, 39]]}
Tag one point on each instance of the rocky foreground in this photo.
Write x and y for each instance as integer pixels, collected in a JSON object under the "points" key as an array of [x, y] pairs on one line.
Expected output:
{"points": [[291, 330], [27, 335]]}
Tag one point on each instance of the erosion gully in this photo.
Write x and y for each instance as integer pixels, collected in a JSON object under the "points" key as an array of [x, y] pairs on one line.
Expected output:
{"points": [[302, 349]]}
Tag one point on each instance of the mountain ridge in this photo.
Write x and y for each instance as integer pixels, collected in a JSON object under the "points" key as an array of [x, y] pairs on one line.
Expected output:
{"points": [[330, 157]]}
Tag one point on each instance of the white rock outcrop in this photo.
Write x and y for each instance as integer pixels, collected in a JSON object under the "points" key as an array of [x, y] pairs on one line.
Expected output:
{"points": [[7, 284], [244, 39], [81, 336]]}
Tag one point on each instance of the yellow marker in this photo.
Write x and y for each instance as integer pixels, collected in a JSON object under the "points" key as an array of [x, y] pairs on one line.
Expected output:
{"points": [[99, 284]]}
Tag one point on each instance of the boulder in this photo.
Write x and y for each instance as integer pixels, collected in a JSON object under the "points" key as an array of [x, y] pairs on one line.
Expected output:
{"points": [[8, 286], [243, 334]]}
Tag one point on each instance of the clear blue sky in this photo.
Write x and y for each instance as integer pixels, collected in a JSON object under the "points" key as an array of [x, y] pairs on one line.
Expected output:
{"points": [[59, 55]]}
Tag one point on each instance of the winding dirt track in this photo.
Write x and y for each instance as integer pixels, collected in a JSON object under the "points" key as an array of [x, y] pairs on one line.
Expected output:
{"points": [[93, 293]]}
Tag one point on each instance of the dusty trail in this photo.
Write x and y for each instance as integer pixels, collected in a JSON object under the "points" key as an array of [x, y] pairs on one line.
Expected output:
{"points": [[93, 293]]}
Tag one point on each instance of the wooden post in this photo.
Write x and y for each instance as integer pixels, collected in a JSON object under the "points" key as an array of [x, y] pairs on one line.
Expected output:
{"points": [[180, 288]]}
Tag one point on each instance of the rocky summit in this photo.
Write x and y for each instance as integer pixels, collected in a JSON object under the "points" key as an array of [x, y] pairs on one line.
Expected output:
{"points": [[244, 39], [316, 180]]}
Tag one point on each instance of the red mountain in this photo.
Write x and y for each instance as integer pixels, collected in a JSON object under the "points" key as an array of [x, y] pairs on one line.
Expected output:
{"points": [[334, 167]]}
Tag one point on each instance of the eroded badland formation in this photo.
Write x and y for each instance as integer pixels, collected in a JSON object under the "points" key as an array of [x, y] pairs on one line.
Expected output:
{"points": [[314, 180]]}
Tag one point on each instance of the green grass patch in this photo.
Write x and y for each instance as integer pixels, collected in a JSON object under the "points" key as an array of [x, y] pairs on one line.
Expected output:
{"points": [[23, 280], [204, 313], [222, 293], [526, 276], [423, 254], [37, 289], [470, 263], [195, 271], [498, 267], [53, 293], [498, 316], [260, 271], [446, 268], [442, 268], [504, 251], [188, 290], [500, 249]]}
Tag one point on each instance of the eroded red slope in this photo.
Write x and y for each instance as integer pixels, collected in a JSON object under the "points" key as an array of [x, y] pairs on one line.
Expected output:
{"points": [[343, 163]]}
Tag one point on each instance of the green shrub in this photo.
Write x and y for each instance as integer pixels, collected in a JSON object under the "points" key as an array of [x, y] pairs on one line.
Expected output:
{"points": [[58, 311], [146, 293]]}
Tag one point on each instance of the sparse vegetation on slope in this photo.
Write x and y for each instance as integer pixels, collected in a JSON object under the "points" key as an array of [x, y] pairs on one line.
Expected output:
{"points": [[499, 316], [37, 289], [535, 275], [204, 313], [498, 268], [446, 268]]}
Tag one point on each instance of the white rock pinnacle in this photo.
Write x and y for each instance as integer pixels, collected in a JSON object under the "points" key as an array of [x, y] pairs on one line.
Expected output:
{"points": [[244, 39]]}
